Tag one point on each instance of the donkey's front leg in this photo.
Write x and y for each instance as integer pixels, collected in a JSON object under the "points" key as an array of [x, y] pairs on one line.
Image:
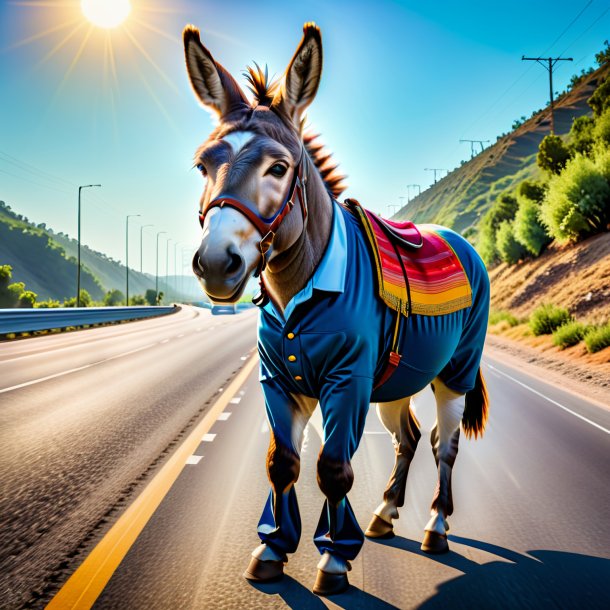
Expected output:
{"points": [[398, 419], [444, 438], [279, 528]]}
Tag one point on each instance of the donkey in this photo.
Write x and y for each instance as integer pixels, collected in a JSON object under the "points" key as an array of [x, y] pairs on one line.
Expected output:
{"points": [[269, 209]]}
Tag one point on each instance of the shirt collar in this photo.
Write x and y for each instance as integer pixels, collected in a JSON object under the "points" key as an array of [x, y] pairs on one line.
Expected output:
{"points": [[330, 273]]}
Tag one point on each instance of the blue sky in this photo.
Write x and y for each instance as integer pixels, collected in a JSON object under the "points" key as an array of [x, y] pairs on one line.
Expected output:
{"points": [[402, 83]]}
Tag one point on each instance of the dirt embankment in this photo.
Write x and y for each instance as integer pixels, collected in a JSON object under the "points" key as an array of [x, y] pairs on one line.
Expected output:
{"points": [[576, 277]]}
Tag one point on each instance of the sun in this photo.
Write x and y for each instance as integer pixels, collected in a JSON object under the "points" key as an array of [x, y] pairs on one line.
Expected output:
{"points": [[106, 13]]}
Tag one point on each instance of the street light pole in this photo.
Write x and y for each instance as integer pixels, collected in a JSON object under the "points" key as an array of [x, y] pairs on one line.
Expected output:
{"points": [[141, 230], [127, 256], [85, 186], [167, 263], [157, 267]]}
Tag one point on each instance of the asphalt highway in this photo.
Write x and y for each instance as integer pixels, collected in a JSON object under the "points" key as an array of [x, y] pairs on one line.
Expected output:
{"points": [[532, 498]]}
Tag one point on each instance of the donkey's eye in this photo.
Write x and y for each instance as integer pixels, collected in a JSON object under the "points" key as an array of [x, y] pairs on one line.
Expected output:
{"points": [[202, 169], [278, 170]]}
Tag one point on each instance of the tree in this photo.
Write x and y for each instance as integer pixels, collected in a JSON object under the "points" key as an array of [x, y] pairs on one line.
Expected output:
{"points": [[603, 57], [581, 135], [114, 297], [600, 100], [601, 131], [160, 298], [14, 294], [532, 190], [503, 209], [553, 154], [151, 296], [509, 249], [528, 229]]}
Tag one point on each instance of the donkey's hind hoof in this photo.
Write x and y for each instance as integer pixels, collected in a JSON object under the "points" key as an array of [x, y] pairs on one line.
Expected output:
{"points": [[264, 571], [434, 543], [378, 528], [330, 584]]}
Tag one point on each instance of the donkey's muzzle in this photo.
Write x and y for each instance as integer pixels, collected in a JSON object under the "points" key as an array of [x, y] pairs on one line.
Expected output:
{"points": [[221, 274]]}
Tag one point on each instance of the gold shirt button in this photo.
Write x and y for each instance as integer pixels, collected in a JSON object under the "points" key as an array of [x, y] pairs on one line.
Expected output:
{"points": [[298, 378], [290, 335], [292, 358]]}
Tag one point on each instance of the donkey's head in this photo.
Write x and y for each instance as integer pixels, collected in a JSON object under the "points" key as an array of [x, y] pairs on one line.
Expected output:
{"points": [[254, 164]]}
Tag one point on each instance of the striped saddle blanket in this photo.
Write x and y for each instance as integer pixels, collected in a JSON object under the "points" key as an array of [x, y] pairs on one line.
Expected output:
{"points": [[417, 270]]}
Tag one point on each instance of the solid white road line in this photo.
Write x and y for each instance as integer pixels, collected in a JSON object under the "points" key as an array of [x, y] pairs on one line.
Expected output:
{"points": [[375, 432], [80, 368], [194, 459], [493, 368], [224, 416]]}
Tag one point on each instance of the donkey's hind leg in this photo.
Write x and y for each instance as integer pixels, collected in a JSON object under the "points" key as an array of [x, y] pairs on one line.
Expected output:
{"points": [[399, 421], [444, 438]]}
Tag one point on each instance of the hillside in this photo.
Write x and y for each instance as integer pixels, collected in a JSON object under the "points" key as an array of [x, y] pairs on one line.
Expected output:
{"points": [[462, 197], [46, 262], [576, 277]]}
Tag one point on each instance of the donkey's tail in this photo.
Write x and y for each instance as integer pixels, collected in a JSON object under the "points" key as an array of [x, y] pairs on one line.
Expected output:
{"points": [[477, 408]]}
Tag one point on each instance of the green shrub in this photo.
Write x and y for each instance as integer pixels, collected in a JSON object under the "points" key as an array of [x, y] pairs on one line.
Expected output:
{"points": [[137, 299], [569, 334], [601, 131], [85, 300], [532, 190], [114, 297], [546, 318], [577, 201], [151, 297], [497, 316], [510, 250], [553, 154], [486, 244], [600, 100], [581, 135], [50, 303], [598, 338], [601, 159], [528, 229]]}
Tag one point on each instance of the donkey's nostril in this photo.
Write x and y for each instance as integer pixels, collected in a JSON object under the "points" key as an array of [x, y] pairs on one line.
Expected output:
{"points": [[234, 265]]}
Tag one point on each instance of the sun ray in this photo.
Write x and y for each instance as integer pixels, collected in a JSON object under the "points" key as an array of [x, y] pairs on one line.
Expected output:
{"points": [[156, 30], [44, 3], [42, 34], [75, 59], [60, 44], [150, 60], [159, 104]]}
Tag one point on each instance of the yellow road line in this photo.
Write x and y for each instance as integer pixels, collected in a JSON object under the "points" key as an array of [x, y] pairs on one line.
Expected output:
{"points": [[88, 581]]}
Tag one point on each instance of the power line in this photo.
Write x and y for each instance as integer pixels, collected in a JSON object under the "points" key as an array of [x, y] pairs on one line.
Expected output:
{"points": [[472, 143]]}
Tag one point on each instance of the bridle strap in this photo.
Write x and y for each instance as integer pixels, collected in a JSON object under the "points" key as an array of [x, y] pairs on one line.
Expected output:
{"points": [[268, 227]]}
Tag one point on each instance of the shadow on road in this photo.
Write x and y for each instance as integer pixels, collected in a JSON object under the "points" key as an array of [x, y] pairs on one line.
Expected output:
{"points": [[538, 579], [297, 596]]}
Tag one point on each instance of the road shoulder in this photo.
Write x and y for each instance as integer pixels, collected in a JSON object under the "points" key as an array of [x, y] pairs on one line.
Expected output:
{"points": [[569, 376]]}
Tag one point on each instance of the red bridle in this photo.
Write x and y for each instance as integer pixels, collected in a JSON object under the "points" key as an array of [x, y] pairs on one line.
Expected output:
{"points": [[268, 227]]}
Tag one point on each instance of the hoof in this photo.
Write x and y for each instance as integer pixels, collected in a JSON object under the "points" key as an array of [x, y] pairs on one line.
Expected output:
{"points": [[434, 543], [330, 584], [264, 571], [378, 528]]}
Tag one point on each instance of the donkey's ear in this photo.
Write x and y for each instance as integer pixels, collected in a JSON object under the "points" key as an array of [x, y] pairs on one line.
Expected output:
{"points": [[302, 76], [213, 85]]}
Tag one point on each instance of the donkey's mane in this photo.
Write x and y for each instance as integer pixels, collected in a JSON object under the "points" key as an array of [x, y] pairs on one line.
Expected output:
{"points": [[264, 92]]}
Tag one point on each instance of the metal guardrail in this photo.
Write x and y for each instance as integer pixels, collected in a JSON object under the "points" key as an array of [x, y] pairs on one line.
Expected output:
{"points": [[27, 320]]}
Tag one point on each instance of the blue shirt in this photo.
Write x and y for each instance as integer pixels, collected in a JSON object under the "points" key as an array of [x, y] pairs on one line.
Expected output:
{"points": [[336, 333]]}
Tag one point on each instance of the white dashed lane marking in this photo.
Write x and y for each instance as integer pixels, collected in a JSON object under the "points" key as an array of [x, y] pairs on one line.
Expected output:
{"points": [[164, 341], [224, 416], [264, 427], [194, 459], [208, 438], [236, 400]]}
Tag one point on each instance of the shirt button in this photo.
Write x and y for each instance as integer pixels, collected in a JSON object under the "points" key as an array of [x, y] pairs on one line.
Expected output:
{"points": [[292, 358], [290, 335], [298, 378]]}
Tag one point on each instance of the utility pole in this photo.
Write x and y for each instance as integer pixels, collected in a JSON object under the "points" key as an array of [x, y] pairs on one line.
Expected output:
{"points": [[435, 169], [127, 256], [157, 267], [85, 186], [548, 63], [392, 206], [413, 185], [472, 143], [142, 229]]}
